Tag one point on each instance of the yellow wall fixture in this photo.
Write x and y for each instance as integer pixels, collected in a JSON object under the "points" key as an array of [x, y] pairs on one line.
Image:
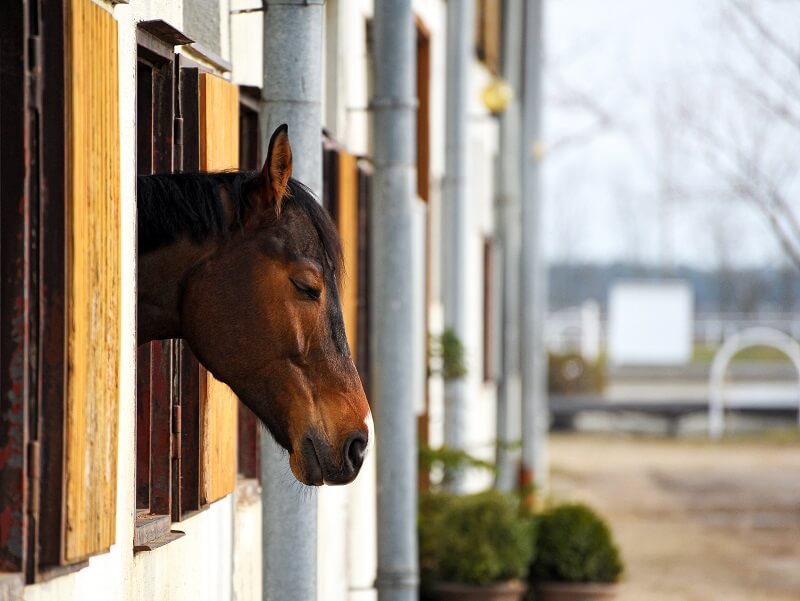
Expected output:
{"points": [[497, 95]]}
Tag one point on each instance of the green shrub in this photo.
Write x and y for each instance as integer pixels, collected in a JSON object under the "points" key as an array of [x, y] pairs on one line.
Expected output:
{"points": [[575, 545], [448, 349], [476, 539], [451, 461]]}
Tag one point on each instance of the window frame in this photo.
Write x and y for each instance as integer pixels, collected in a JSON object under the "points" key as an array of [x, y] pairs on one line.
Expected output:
{"points": [[168, 376], [250, 158]]}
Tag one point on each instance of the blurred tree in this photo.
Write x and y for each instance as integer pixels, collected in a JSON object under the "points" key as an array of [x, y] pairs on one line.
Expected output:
{"points": [[745, 126]]}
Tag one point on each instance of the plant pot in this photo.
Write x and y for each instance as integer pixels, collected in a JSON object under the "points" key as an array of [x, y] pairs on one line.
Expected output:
{"points": [[574, 591], [512, 590]]}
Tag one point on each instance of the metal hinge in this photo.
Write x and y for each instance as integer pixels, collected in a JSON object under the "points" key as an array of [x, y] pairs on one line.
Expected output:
{"points": [[35, 474], [34, 459], [176, 431], [178, 143], [176, 419], [34, 67]]}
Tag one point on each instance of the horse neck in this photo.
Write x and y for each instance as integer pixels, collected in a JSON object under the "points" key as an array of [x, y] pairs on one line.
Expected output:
{"points": [[161, 277]]}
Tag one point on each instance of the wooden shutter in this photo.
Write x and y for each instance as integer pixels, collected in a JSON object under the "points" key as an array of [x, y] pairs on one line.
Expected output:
{"points": [[423, 111], [219, 124], [93, 279], [347, 220], [487, 33], [219, 149]]}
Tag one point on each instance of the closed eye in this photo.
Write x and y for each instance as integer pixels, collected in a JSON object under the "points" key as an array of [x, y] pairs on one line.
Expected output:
{"points": [[309, 291]]}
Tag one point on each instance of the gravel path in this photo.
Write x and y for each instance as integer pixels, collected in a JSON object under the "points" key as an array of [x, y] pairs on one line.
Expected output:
{"points": [[696, 521]]}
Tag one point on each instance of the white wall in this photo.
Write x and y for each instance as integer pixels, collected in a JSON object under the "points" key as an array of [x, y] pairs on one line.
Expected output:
{"points": [[247, 547], [481, 402], [347, 550], [246, 44], [650, 323], [482, 134]]}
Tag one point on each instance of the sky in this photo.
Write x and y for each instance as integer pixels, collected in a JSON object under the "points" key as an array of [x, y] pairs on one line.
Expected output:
{"points": [[618, 74]]}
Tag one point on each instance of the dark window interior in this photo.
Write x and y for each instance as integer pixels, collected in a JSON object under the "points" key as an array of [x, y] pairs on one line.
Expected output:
{"points": [[249, 159], [489, 339]]}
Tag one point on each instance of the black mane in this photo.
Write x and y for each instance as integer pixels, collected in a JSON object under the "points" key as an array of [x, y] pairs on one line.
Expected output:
{"points": [[174, 204]]}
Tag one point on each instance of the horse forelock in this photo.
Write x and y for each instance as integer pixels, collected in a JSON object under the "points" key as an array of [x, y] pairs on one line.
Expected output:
{"points": [[171, 205]]}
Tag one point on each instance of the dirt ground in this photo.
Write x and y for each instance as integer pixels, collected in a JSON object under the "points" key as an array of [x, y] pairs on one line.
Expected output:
{"points": [[696, 521]]}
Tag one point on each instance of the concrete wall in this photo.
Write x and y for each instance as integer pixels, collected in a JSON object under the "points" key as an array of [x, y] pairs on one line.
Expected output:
{"points": [[201, 19]]}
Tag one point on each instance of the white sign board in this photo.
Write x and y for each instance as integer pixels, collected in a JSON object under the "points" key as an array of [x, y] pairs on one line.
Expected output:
{"points": [[650, 323]]}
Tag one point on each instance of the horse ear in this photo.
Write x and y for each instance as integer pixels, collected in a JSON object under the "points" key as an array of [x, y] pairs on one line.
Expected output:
{"points": [[278, 167]]}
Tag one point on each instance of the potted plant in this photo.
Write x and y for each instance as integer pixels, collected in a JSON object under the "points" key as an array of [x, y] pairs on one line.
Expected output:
{"points": [[576, 557], [474, 547]]}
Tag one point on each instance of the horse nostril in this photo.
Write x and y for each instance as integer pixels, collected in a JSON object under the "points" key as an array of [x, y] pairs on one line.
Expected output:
{"points": [[355, 449]]}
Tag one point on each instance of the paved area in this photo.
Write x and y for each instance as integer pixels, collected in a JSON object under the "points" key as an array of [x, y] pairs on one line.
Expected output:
{"points": [[696, 521]]}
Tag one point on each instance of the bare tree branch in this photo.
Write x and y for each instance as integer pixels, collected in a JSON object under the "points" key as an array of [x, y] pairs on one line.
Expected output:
{"points": [[766, 33], [568, 97], [742, 181], [745, 141], [779, 110]]}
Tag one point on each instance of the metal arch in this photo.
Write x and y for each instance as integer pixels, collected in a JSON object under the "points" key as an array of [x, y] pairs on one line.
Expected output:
{"points": [[748, 338]]}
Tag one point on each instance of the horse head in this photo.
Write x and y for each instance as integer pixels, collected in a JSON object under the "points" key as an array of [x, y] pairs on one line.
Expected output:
{"points": [[259, 305]]}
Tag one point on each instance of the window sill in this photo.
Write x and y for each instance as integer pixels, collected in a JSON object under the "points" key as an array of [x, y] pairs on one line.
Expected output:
{"points": [[159, 542], [50, 572], [153, 531], [150, 527]]}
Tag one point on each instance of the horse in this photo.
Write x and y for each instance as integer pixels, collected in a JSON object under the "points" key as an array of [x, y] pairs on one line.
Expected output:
{"points": [[244, 266]]}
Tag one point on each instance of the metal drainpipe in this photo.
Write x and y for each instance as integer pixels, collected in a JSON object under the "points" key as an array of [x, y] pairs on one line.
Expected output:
{"points": [[455, 217], [394, 368], [507, 213], [291, 93], [533, 297]]}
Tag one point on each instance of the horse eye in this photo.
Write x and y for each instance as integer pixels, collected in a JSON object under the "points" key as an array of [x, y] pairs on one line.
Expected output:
{"points": [[310, 292]]}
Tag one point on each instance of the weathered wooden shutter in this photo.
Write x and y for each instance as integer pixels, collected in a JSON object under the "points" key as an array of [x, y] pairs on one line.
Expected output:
{"points": [[219, 149], [347, 220], [488, 14], [93, 279]]}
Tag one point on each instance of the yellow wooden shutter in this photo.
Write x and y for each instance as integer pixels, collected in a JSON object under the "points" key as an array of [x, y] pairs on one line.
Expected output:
{"points": [[93, 279], [219, 149], [347, 219]]}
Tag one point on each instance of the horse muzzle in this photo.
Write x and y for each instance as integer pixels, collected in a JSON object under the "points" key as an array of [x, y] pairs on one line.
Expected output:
{"points": [[316, 462]]}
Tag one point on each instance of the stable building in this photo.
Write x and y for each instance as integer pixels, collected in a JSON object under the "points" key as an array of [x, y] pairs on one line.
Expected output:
{"points": [[128, 472]]}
